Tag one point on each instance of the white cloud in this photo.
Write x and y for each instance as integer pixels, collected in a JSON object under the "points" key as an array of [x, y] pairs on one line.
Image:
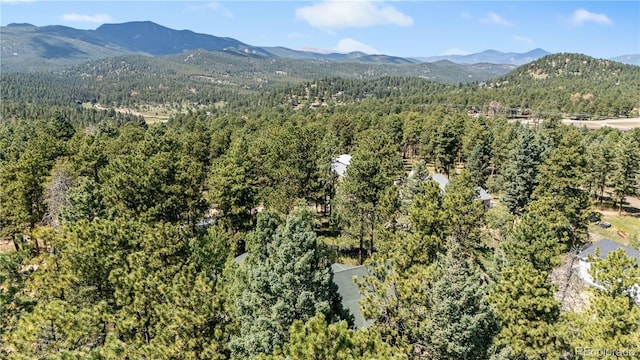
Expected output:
{"points": [[523, 39], [336, 14], [495, 19], [97, 18], [581, 16], [295, 35], [465, 15], [456, 51], [220, 9], [348, 45]]}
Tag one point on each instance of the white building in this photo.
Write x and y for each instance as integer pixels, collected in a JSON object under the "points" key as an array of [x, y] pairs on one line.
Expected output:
{"points": [[605, 246], [339, 164]]}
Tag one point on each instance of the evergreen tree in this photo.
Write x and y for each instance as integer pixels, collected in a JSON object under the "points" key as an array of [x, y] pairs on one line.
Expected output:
{"points": [[600, 161], [293, 282], [463, 213], [625, 176], [13, 303], [84, 202], [559, 195], [22, 204], [231, 188], [528, 313], [461, 322], [534, 241], [427, 217], [520, 175], [372, 169], [477, 146], [317, 339]]}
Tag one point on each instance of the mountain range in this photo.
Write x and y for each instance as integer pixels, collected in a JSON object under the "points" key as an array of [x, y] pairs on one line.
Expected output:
{"points": [[25, 47], [491, 56]]}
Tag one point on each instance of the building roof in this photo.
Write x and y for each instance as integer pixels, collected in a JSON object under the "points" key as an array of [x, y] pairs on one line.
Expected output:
{"points": [[443, 181], [344, 276], [606, 246], [240, 258], [483, 194], [340, 163]]}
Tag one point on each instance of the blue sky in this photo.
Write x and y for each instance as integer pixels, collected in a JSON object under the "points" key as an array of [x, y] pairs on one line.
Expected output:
{"points": [[403, 28]]}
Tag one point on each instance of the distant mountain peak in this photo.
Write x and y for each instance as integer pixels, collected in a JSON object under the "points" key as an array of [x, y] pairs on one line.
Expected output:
{"points": [[155, 39], [491, 56], [20, 25]]}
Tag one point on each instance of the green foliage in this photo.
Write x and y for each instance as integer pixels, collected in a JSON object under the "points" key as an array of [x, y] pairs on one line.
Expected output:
{"points": [[124, 289], [21, 195], [617, 273], [625, 176], [84, 202], [461, 322], [559, 196], [532, 240], [292, 282], [288, 165], [427, 217], [529, 314], [317, 339], [520, 175], [232, 190], [600, 159], [463, 213], [154, 183], [612, 319], [477, 145], [112, 265], [13, 304], [374, 165]]}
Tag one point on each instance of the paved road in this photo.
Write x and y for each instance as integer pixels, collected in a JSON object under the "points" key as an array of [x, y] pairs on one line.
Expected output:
{"points": [[621, 124]]}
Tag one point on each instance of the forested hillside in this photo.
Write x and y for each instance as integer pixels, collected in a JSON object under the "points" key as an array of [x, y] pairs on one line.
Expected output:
{"points": [[119, 238]]}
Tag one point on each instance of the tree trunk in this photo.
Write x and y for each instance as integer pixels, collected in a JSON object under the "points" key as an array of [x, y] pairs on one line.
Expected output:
{"points": [[37, 247], [360, 253], [371, 237], [620, 207], [15, 242]]}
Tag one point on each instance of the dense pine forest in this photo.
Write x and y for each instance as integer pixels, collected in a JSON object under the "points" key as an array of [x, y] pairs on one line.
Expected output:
{"points": [[215, 234]]}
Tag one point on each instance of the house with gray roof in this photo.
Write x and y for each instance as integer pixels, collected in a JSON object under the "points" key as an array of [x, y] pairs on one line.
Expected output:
{"points": [[483, 195], [344, 276], [605, 246]]}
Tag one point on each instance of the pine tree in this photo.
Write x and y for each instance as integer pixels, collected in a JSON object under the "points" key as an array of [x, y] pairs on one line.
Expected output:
{"points": [[231, 188], [427, 218], [293, 282], [559, 195], [22, 205], [528, 313], [625, 176], [372, 169], [477, 146], [317, 339], [520, 175], [84, 202], [461, 322], [532, 240], [463, 213]]}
